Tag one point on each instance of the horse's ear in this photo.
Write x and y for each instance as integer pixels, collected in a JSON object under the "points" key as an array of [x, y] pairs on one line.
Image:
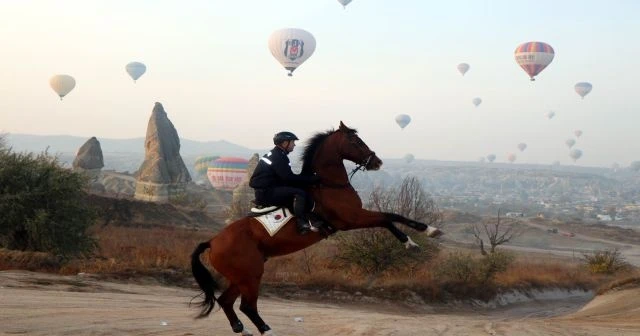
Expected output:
{"points": [[343, 127]]}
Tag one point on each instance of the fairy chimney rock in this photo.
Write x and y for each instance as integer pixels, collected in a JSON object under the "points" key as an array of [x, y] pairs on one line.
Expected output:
{"points": [[89, 158], [243, 194], [163, 173]]}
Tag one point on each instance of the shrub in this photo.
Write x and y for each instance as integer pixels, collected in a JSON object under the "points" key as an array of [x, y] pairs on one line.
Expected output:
{"points": [[374, 251], [605, 261], [43, 206], [458, 267]]}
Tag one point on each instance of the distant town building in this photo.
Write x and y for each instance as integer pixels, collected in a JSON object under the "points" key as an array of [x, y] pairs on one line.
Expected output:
{"points": [[604, 218]]}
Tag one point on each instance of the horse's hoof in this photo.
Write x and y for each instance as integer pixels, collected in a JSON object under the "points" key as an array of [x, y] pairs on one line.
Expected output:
{"points": [[410, 244], [246, 332], [434, 232], [268, 333]]}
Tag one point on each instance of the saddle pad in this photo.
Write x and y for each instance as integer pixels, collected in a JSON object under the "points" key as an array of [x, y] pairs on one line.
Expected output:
{"points": [[275, 220]]}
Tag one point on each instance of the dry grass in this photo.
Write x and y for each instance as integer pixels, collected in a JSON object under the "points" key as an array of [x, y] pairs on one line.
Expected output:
{"points": [[624, 280], [32, 261], [130, 252], [126, 249]]}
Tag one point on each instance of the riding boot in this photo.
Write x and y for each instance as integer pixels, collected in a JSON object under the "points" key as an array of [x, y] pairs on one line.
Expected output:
{"points": [[303, 225], [299, 207]]}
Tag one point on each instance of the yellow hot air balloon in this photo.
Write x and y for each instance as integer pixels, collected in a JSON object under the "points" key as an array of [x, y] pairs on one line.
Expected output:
{"points": [[62, 84]]}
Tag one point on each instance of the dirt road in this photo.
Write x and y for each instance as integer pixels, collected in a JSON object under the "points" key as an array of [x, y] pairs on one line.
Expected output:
{"points": [[41, 304]]}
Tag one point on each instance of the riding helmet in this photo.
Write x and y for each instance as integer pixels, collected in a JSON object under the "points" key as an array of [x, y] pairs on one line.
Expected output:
{"points": [[283, 136]]}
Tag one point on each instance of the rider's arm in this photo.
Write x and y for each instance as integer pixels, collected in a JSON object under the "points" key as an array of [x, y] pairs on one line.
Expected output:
{"points": [[282, 168]]}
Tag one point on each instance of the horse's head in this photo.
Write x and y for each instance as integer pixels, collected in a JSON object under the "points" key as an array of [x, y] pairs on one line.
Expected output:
{"points": [[355, 150]]}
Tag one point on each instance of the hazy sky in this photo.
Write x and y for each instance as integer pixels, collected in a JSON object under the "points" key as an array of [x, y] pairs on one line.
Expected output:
{"points": [[209, 65]]}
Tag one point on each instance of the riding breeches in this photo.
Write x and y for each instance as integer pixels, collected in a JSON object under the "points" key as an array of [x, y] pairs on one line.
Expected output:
{"points": [[282, 196]]}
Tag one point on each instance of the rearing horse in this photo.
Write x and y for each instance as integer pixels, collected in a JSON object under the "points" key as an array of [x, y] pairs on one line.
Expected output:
{"points": [[239, 251]]}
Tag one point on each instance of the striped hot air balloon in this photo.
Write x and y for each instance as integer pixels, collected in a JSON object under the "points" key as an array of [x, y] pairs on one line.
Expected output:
{"points": [[202, 164], [226, 173], [533, 57]]}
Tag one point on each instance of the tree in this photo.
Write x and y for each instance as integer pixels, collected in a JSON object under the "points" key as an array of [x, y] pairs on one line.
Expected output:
{"points": [[496, 232], [43, 206], [374, 251]]}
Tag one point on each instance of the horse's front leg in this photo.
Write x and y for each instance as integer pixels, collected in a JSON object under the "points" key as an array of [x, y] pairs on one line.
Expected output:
{"points": [[401, 236], [351, 219], [432, 231]]}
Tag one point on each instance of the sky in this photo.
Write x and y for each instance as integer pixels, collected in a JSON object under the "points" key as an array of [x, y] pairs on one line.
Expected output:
{"points": [[209, 65]]}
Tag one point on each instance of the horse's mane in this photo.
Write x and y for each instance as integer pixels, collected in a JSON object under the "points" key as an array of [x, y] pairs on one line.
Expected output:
{"points": [[312, 147]]}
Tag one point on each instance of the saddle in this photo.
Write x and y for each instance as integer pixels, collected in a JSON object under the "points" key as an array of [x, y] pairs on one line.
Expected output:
{"points": [[274, 217]]}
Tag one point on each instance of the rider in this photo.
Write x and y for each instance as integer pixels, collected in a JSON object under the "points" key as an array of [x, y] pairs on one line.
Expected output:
{"points": [[276, 184]]}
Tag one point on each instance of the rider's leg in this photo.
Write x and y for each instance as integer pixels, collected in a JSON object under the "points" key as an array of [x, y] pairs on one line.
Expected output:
{"points": [[283, 195]]}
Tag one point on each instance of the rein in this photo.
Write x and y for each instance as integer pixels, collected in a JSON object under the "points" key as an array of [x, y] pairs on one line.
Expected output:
{"points": [[361, 166]]}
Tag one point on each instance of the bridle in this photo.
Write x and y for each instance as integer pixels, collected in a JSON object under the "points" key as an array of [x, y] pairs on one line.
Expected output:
{"points": [[362, 166]]}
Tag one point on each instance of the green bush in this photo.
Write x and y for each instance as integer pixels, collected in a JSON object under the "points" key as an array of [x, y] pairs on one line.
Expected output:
{"points": [[494, 263], [43, 206], [458, 267], [374, 251], [605, 261]]}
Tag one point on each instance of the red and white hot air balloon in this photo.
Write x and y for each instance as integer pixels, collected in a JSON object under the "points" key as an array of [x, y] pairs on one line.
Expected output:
{"points": [[533, 57]]}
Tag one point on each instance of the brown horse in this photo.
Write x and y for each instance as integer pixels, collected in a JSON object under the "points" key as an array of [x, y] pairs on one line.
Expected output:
{"points": [[239, 251]]}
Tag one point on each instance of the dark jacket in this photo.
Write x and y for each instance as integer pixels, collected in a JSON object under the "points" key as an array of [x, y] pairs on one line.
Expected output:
{"points": [[274, 170]]}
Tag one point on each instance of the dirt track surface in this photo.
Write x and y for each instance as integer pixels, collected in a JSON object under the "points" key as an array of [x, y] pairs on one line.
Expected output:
{"points": [[42, 304]]}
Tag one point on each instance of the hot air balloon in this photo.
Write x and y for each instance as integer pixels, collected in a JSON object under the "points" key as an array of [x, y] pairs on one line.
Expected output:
{"points": [[570, 142], [577, 133], [476, 101], [635, 166], [491, 157], [583, 88], [226, 173], [291, 47], [550, 115], [511, 157], [62, 84], [463, 68], [344, 3], [575, 154], [409, 158], [533, 57], [403, 120], [203, 162], [522, 146], [135, 70]]}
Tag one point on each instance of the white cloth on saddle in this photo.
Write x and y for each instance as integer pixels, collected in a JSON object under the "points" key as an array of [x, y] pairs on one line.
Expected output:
{"points": [[274, 221]]}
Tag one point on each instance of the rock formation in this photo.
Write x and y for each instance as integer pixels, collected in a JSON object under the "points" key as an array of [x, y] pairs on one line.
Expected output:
{"points": [[89, 159], [243, 194], [163, 174]]}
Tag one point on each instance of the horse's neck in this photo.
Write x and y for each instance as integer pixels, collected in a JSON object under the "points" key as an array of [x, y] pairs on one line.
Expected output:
{"points": [[329, 167]]}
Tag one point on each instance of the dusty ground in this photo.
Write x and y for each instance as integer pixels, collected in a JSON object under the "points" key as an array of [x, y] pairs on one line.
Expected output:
{"points": [[42, 304]]}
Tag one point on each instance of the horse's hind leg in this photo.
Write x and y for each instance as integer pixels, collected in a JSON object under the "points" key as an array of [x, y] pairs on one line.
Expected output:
{"points": [[249, 305], [226, 301]]}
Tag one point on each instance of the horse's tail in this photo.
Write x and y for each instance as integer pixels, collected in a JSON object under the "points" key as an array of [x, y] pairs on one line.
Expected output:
{"points": [[205, 280]]}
